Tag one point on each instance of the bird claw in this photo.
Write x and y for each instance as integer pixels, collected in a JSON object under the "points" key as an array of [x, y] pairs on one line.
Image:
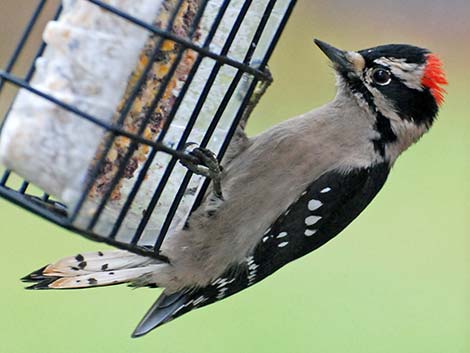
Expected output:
{"points": [[204, 162]]}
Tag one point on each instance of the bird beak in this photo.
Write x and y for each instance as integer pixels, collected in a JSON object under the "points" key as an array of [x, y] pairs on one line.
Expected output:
{"points": [[344, 61]]}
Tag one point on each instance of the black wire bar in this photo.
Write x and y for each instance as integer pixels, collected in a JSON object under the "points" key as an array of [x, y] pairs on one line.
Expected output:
{"points": [[14, 58], [24, 37], [186, 43], [189, 126], [112, 128], [163, 88], [170, 118], [254, 72], [122, 117], [225, 101], [248, 96], [240, 112], [17, 52], [29, 74]]}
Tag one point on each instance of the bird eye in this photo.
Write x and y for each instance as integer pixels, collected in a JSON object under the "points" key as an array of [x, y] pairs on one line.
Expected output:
{"points": [[381, 77]]}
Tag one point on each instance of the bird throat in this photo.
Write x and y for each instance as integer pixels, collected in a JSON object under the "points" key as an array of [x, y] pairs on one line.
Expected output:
{"points": [[382, 124]]}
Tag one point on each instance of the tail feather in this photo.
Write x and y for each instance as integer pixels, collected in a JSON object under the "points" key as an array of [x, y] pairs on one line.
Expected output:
{"points": [[92, 269], [96, 262], [161, 311], [94, 279], [35, 276]]}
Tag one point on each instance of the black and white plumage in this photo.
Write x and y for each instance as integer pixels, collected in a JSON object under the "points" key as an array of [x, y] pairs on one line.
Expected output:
{"points": [[323, 210], [286, 191]]}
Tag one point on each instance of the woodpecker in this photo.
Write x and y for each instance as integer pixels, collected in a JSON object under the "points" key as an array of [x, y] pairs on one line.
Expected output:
{"points": [[282, 193]]}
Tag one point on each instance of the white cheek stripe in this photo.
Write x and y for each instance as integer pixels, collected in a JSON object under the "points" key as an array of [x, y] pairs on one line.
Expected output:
{"points": [[410, 74]]}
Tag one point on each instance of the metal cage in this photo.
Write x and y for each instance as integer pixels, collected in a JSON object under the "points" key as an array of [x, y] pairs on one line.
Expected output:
{"points": [[45, 206]]}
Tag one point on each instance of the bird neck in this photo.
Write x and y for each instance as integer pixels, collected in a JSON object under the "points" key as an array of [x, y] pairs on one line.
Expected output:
{"points": [[393, 134], [407, 133]]}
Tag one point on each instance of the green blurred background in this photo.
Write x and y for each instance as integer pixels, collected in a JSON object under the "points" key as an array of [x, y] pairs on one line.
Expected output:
{"points": [[397, 280]]}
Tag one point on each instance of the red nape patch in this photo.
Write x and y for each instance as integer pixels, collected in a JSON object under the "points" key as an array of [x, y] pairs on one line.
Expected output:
{"points": [[434, 78]]}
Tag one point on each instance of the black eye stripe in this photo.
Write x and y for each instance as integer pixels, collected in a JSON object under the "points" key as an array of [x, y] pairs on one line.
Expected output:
{"points": [[414, 105]]}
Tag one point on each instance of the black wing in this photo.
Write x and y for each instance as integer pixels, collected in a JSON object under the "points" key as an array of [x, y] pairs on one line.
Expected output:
{"points": [[327, 206]]}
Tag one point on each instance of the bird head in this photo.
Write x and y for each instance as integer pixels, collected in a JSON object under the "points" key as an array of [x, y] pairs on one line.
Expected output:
{"points": [[400, 85]]}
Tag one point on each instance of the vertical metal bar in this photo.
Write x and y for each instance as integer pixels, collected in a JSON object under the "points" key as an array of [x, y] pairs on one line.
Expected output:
{"points": [[40, 51], [192, 120], [45, 197], [24, 186], [14, 57], [129, 103], [237, 119], [24, 37], [168, 170], [228, 96], [174, 109], [5, 177], [267, 56], [134, 144], [29, 75], [240, 73], [278, 33]]}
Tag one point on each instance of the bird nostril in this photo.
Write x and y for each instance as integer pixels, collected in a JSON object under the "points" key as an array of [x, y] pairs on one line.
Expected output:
{"points": [[356, 60]]}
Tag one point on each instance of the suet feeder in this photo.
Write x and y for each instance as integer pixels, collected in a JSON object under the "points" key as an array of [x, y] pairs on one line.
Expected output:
{"points": [[113, 94]]}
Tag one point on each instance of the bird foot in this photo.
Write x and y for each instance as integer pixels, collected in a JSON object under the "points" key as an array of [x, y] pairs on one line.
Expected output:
{"points": [[204, 162]]}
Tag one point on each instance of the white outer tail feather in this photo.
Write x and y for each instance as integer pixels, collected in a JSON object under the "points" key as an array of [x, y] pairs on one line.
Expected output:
{"points": [[93, 269], [102, 278]]}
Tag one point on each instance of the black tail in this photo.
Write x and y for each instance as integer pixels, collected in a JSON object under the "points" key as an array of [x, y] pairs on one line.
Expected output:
{"points": [[162, 311]]}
